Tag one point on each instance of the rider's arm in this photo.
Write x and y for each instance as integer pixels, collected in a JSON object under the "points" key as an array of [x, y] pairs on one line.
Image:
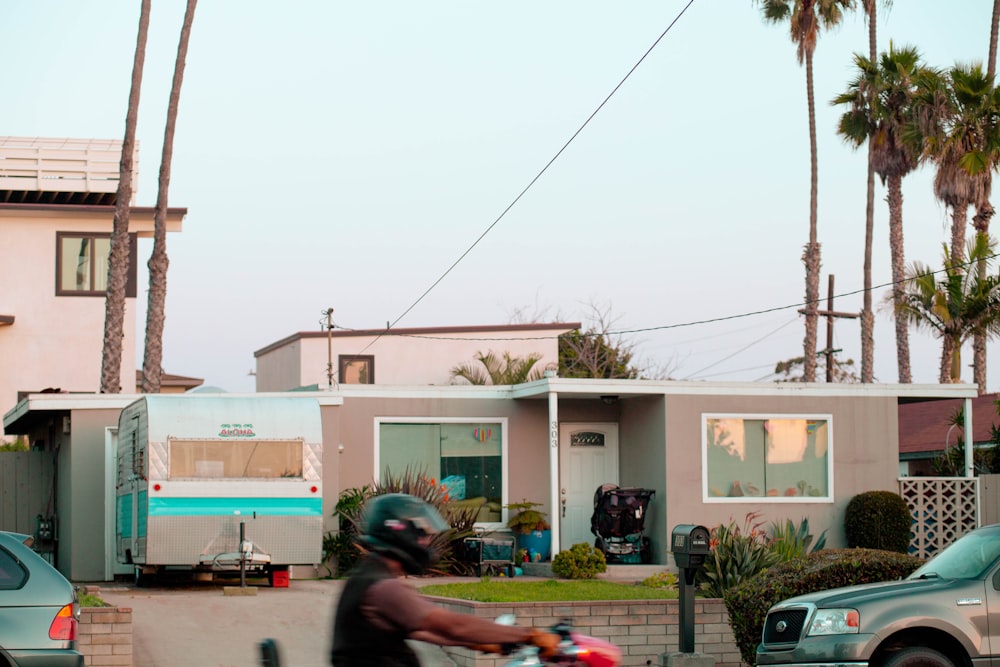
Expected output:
{"points": [[404, 607]]}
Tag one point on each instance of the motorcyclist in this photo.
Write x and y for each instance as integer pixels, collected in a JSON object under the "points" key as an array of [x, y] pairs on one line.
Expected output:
{"points": [[378, 611]]}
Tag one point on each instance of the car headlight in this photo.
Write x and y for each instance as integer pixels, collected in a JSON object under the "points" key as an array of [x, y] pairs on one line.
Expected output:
{"points": [[835, 622]]}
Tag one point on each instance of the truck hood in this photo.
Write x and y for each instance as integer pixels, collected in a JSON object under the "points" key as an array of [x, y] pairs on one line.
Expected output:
{"points": [[852, 596]]}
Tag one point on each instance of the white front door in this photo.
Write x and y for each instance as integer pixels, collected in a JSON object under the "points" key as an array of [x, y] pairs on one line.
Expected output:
{"points": [[588, 458]]}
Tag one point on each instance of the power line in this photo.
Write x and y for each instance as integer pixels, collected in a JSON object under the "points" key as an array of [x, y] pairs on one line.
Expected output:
{"points": [[742, 349], [680, 325], [503, 213]]}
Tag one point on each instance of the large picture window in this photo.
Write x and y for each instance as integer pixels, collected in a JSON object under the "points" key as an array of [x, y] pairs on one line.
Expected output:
{"points": [[82, 264], [466, 456], [783, 458]]}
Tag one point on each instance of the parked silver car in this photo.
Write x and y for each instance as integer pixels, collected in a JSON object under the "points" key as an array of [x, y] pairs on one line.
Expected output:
{"points": [[39, 612]]}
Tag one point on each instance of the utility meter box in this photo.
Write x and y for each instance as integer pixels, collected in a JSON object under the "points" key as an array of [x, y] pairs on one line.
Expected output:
{"points": [[690, 545]]}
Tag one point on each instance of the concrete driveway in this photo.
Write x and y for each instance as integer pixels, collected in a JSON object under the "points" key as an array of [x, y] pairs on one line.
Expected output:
{"points": [[197, 624]]}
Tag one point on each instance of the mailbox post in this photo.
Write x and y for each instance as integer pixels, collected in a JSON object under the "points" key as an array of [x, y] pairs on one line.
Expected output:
{"points": [[690, 546]]}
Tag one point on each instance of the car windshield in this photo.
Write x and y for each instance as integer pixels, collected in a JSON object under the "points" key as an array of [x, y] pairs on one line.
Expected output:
{"points": [[969, 557]]}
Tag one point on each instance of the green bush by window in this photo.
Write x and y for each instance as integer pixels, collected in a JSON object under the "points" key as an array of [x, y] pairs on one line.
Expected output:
{"points": [[878, 520]]}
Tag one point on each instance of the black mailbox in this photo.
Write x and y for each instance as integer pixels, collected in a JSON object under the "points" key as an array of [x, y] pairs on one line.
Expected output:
{"points": [[690, 545]]}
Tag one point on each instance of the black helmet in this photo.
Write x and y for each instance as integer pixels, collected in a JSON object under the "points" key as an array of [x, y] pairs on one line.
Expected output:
{"points": [[393, 523]]}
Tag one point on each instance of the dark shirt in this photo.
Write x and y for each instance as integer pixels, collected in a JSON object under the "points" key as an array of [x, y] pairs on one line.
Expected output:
{"points": [[376, 612]]}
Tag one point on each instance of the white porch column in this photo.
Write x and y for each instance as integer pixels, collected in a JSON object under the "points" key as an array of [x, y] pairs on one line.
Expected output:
{"points": [[969, 439], [556, 508]]}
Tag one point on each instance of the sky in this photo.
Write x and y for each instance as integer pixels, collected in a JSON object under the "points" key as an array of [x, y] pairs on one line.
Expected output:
{"points": [[345, 155]]}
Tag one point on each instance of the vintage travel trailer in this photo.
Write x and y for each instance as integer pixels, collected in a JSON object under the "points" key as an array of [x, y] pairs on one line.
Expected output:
{"points": [[219, 483]]}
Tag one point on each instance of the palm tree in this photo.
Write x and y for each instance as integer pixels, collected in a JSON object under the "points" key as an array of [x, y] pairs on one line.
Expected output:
{"points": [[959, 132], [984, 210], [879, 111], [114, 304], [957, 306], [867, 315], [158, 261], [806, 17], [497, 370]]}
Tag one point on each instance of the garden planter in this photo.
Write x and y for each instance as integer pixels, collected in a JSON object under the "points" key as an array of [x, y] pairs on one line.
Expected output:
{"points": [[538, 543]]}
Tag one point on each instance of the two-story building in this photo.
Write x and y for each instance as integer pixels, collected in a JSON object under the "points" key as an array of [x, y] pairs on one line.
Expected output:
{"points": [[57, 203]]}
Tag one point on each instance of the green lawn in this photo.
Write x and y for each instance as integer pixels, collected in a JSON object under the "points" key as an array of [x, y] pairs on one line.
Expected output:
{"points": [[552, 590]]}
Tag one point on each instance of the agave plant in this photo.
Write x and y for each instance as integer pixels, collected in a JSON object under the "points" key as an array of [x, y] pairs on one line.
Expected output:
{"points": [[790, 541], [737, 553]]}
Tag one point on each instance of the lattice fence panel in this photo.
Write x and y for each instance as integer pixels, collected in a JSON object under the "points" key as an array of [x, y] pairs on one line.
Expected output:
{"points": [[943, 509]]}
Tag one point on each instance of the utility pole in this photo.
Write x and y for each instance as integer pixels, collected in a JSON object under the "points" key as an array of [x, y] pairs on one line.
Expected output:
{"points": [[329, 347], [830, 314]]}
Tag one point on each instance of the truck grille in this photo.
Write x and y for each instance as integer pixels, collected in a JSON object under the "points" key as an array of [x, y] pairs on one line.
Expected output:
{"points": [[784, 627]]}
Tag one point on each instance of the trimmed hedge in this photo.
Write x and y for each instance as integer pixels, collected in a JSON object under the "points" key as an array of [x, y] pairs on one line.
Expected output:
{"points": [[749, 601], [878, 520]]}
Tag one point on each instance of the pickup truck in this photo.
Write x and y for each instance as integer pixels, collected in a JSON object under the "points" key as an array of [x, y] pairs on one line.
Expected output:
{"points": [[945, 614]]}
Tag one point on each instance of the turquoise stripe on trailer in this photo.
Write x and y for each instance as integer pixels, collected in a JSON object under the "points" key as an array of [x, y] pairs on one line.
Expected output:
{"points": [[227, 506]]}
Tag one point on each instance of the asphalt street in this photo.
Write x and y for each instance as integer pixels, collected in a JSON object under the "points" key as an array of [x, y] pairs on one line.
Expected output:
{"points": [[197, 625]]}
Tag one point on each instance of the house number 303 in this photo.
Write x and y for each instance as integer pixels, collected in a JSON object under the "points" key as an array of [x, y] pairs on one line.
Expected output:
{"points": [[554, 434]]}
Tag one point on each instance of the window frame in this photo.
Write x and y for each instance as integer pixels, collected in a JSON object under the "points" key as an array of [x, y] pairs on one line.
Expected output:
{"points": [[502, 422], [344, 359], [708, 498], [131, 277]]}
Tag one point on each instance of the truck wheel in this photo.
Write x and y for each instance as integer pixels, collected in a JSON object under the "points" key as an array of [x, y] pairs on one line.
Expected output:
{"points": [[918, 656]]}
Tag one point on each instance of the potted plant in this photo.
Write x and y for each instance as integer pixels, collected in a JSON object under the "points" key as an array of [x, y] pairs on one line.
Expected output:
{"points": [[531, 529]]}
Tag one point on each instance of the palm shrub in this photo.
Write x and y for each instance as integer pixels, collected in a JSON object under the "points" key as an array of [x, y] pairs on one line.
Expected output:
{"points": [[748, 602], [790, 541], [878, 520], [736, 553], [581, 561], [340, 545]]}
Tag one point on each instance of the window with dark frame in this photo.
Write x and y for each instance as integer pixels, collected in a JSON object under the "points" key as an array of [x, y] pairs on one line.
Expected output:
{"points": [[82, 264], [356, 369]]}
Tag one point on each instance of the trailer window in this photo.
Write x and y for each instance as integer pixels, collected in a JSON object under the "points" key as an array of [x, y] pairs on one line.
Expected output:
{"points": [[226, 459]]}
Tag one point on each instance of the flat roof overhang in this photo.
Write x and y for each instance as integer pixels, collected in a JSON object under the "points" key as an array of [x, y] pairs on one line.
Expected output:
{"points": [[22, 417], [565, 388], [584, 388]]}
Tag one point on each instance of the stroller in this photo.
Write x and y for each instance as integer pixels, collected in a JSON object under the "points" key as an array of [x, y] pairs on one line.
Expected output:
{"points": [[618, 522]]}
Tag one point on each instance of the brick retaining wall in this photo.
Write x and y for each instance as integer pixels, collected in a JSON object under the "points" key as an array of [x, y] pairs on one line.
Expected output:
{"points": [[106, 636], [643, 629]]}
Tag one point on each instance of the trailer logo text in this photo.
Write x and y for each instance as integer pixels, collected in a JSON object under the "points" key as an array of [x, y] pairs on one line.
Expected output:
{"points": [[236, 431]]}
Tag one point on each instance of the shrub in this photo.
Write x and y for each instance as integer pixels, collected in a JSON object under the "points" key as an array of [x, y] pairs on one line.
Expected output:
{"points": [[748, 602], [737, 553], [878, 520], [661, 580], [340, 544], [791, 541], [582, 561]]}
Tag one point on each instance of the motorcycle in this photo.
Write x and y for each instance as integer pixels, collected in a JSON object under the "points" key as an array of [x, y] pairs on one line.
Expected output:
{"points": [[575, 649]]}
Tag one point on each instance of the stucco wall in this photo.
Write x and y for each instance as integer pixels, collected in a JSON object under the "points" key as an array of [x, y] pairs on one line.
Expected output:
{"points": [[87, 494], [355, 429], [644, 463], [865, 454], [281, 369], [402, 360], [46, 326]]}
